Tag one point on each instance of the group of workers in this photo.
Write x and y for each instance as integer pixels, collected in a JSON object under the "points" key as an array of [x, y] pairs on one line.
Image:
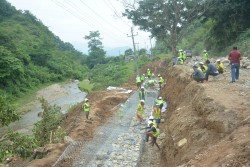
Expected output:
{"points": [[151, 79], [155, 117], [202, 72]]}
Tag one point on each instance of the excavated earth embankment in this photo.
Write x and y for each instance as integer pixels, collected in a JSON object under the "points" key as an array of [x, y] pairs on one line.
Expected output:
{"points": [[207, 124]]}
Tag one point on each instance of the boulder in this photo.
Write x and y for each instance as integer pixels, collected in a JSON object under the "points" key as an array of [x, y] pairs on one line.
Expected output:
{"points": [[67, 139]]}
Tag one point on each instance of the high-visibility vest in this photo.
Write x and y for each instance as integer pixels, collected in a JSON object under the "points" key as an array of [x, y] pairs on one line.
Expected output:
{"points": [[157, 113], [138, 79], [86, 107], [141, 94], [142, 78], [161, 80], [205, 56], [156, 133], [140, 109], [149, 73], [204, 69]]}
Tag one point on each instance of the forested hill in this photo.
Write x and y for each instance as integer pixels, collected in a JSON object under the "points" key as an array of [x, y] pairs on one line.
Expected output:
{"points": [[30, 54]]}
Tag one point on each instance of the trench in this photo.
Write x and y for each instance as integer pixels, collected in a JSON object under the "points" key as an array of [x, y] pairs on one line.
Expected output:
{"points": [[119, 142]]}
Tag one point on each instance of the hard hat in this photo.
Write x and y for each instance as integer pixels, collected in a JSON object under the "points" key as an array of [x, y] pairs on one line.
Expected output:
{"points": [[204, 51], [218, 60], [201, 63], [142, 101], [142, 87], [86, 99], [149, 122], [143, 74], [180, 50], [159, 75], [148, 68], [195, 66], [160, 98], [157, 104], [151, 117]]}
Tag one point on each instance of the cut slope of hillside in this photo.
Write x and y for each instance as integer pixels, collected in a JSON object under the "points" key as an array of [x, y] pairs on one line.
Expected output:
{"points": [[211, 118]]}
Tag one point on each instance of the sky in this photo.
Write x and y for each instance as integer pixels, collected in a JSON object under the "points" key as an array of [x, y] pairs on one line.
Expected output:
{"points": [[71, 20]]}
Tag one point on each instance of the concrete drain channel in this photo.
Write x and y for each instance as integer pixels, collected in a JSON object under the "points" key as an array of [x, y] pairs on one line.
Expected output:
{"points": [[117, 143]]}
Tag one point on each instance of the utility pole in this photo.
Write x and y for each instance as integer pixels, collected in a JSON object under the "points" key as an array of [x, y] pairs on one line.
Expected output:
{"points": [[150, 37], [132, 35]]}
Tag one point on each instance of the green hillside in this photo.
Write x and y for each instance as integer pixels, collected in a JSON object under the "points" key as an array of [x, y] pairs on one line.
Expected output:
{"points": [[31, 55]]}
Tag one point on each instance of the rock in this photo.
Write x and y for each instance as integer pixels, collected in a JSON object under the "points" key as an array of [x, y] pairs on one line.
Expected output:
{"points": [[162, 136], [182, 142], [67, 140]]}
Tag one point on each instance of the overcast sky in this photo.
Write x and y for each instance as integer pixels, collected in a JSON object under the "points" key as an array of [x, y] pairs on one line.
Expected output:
{"points": [[71, 20]]}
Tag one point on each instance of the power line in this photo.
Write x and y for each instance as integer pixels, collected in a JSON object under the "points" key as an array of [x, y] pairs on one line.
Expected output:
{"points": [[115, 11], [101, 17], [80, 18]]}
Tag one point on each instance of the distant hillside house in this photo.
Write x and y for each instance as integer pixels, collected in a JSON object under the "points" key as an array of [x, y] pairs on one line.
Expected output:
{"points": [[129, 58]]}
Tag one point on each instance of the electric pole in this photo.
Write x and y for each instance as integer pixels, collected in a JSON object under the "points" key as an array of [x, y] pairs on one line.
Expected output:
{"points": [[132, 35], [150, 37]]}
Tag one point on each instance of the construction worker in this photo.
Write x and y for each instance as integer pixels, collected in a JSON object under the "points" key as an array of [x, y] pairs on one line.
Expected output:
{"points": [[157, 114], [202, 67], [180, 60], [142, 94], [86, 108], [148, 127], [160, 101], [211, 70], [138, 81], [197, 75], [149, 73], [220, 67], [182, 55], [160, 80], [142, 78], [205, 55], [140, 110], [154, 134]]}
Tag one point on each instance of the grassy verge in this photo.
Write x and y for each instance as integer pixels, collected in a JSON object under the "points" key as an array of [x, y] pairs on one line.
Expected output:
{"points": [[85, 86]]}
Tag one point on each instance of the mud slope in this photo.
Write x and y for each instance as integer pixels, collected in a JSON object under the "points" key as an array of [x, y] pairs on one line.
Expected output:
{"points": [[207, 124]]}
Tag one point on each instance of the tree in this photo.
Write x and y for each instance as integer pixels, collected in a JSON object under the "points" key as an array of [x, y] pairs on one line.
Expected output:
{"points": [[128, 52], [231, 18], [96, 52], [165, 19], [7, 112], [142, 51]]}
